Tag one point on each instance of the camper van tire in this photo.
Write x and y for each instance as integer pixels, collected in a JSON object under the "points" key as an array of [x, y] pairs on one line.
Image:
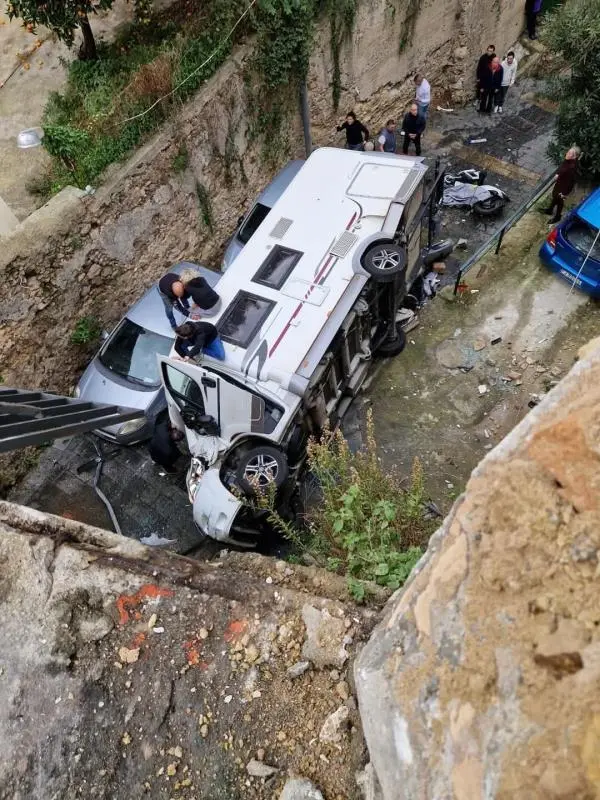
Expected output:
{"points": [[384, 261], [259, 467], [390, 348]]}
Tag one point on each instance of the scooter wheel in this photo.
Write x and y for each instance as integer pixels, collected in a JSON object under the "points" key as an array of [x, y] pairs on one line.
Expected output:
{"points": [[491, 207]]}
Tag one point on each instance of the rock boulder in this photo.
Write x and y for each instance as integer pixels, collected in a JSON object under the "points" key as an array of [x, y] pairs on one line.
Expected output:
{"points": [[482, 680]]}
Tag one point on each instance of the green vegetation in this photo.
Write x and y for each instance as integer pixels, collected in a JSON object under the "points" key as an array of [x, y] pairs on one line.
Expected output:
{"points": [[181, 159], [64, 17], [205, 206], [112, 104], [87, 331], [572, 31], [368, 523]]}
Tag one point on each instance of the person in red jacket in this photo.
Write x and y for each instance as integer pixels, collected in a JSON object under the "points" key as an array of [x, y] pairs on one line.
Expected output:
{"points": [[491, 85], [564, 184]]}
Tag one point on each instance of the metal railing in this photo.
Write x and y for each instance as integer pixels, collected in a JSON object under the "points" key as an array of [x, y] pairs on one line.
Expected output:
{"points": [[540, 190]]}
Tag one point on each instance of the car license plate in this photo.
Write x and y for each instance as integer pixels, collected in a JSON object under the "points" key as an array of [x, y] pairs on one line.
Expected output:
{"points": [[571, 278]]}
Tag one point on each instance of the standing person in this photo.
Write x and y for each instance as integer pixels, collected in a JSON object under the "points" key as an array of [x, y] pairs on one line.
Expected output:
{"points": [[532, 9], [413, 126], [565, 182], [491, 84], [356, 133], [386, 140], [482, 66], [422, 94], [509, 75], [162, 448], [194, 338]]}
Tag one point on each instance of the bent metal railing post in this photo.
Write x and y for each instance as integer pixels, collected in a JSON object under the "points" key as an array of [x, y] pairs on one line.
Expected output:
{"points": [[497, 238]]}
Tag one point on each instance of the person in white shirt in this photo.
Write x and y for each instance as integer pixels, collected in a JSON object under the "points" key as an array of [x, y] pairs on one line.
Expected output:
{"points": [[422, 95], [509, 66]]}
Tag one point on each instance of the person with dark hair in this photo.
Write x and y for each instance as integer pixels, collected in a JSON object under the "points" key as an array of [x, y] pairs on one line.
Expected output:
{"points": [[162, 448], [564, 185], [194, 338], [356, 133], [491, 85], [386, 140], [509, 75], [482, 65], [413, 126], [532, 9]]}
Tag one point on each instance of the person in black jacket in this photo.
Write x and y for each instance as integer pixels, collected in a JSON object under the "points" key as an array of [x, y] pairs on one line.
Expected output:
{"points": [[176, 292], [491, 85], [483, 65], [355, 131], [413, 126], [194, 338], [162, 448], [565, 183]]}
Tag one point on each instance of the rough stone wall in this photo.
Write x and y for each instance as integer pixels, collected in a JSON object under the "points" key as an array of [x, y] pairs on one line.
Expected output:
{"points": [[482, 680], [94, 256]]}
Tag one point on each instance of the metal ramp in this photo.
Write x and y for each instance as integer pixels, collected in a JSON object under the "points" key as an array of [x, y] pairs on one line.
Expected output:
{"points": [[33, 418]]}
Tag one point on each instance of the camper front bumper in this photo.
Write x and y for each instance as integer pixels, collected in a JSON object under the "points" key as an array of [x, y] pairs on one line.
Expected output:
{"points": [[214, 507]]}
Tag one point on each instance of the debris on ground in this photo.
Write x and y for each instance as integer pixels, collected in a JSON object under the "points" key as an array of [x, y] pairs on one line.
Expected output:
{"points": [[155, 675]]}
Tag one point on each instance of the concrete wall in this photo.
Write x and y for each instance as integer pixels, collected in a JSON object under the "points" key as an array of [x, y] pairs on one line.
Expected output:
{"points": [[100, 256]]}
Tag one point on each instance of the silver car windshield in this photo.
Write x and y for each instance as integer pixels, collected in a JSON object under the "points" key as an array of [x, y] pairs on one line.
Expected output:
{"points": [[131, 353]]}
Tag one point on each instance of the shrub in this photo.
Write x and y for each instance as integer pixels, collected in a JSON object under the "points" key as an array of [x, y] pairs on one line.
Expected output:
{"points": [[87, 331], [572, 31], [368, 523]]}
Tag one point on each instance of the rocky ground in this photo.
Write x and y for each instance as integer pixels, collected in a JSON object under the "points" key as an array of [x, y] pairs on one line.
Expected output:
{"points": [[137, 673], [479, 363]]}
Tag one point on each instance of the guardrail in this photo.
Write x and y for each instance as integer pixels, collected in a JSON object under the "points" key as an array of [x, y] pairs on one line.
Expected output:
{"points": [[540, 190]]}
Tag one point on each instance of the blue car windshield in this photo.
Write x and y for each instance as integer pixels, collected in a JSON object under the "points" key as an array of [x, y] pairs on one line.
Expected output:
{"points": [[581, 236], [131, 353]]}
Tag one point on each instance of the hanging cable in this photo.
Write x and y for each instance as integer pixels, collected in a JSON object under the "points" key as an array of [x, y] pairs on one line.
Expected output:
{"points": [[191, 75]]}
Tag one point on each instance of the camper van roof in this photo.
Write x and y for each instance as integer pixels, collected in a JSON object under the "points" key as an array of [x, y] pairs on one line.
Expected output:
{"points": [[296, 273]]}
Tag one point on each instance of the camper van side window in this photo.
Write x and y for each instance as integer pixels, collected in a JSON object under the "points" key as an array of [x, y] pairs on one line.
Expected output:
{"points": [[277, 266], [243, 318]]}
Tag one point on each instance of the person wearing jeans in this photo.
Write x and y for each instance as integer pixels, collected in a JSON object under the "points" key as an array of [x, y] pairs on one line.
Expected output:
{"points": [[422, 95], [509, 74], [194, 338]]}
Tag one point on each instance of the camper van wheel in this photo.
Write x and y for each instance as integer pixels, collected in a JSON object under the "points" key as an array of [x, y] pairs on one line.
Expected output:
{"points": [[388, 348], [384, 261], [260, 467]]}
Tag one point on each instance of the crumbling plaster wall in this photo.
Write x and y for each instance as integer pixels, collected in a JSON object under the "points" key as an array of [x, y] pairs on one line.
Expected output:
{"points": [[81, 256]]}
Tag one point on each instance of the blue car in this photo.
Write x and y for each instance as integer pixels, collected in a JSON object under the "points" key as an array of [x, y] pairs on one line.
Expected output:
{"points": [[568, 244]]}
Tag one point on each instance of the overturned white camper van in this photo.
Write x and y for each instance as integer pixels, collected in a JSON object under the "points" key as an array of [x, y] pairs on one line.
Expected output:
{"points": [[313, 297]]}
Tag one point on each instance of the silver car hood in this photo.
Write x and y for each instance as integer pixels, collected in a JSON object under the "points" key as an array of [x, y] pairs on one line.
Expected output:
{"points": [[99, 385]]}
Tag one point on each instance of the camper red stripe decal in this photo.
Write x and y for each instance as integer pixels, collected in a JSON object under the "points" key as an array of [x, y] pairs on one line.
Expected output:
{"points": [[318, 276]]}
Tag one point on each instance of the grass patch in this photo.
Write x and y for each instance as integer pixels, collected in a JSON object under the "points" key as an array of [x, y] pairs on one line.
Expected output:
{"points": [[368, 524], [181, 159], [87, 331], [86, 126]]}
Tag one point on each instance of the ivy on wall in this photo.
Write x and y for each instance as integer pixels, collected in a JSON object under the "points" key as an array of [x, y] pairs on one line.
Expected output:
{"points": [[409, 25]]}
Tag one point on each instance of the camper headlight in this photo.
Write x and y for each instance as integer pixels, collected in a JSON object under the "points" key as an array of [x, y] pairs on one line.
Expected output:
{"points": [[131, 427], [194, 476]]}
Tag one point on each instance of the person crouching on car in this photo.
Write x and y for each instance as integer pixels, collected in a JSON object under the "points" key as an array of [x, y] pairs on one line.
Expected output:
{"points": [[194, 338]]}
